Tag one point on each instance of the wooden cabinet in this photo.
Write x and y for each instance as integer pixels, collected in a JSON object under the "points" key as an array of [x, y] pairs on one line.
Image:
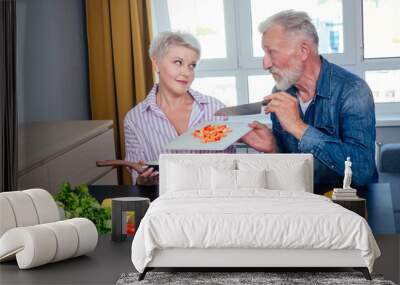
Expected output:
{"points": [[53, 152], [357, 205]]}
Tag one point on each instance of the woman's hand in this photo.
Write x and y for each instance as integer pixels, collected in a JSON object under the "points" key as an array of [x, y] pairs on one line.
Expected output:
{"points": [[147, 181], [138, 167], [260, 138], [147, 175]]}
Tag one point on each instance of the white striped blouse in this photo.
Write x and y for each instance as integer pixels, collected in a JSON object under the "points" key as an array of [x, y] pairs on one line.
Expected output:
{"points": [[147, 129]]}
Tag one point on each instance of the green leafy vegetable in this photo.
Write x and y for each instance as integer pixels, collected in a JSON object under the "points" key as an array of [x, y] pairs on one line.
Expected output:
{"points": [[79, 203]]}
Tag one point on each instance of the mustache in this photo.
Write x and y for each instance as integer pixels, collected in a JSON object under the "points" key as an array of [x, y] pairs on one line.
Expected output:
{"points": [[274, 70]]}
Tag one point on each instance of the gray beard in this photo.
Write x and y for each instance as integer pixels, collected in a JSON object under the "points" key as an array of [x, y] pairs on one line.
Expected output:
{"points": [[288, 78], [284, 84]]}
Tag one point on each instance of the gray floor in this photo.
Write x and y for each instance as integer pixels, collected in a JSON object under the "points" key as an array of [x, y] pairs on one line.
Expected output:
{"points": [[111, 259], [102, 266]]}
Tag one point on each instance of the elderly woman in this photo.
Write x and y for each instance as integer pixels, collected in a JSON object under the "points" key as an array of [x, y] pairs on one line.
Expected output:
{"points": [[170, 108]]}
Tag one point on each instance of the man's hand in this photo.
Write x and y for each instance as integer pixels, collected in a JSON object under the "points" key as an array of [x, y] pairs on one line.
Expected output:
{"points": [[286, 108], [260, 138]]}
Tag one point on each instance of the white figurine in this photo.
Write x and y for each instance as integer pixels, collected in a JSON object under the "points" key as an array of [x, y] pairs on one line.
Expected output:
{"points": [[347, 174]]}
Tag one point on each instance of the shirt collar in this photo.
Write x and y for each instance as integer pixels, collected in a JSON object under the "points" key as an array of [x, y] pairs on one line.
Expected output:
{"points": [[324, 80], [150, 100], [198, 97], [323, 83]]}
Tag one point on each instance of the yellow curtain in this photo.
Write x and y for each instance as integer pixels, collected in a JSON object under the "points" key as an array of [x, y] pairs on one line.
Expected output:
{"points": [[120, 73]]}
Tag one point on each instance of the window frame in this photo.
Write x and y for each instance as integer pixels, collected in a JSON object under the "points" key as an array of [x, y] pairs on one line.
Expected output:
{"points": [[371, 64], [247, 60], [160, 12], [241, 63]]}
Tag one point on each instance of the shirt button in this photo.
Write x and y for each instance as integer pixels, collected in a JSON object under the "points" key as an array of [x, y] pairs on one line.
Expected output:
{"points": [[332, 166]]}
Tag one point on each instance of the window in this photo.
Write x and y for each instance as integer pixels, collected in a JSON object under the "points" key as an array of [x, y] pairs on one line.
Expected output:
{"points": [[231, 65], [384, 85], [259, 87], [381, 28], [380, 61], [222, 87], [207, 24], [327, 17]]}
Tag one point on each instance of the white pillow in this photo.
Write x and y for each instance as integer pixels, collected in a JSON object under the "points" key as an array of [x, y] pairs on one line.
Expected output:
{"points": [[292, 179], [223, 179], [280, 174], [188, 176], [184, 177], [251, 178], [236, 179]]}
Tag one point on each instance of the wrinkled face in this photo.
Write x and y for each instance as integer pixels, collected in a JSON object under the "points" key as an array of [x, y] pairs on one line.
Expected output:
{"points": [[281, 57], [176, 69]]}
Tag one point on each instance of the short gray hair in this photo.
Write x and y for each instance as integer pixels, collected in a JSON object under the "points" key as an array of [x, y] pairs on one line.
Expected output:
{"points": [[296, 22], [163, 41]]}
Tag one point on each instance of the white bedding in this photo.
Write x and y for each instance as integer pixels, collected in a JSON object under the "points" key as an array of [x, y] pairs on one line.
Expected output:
{"points": [[252, 218]]}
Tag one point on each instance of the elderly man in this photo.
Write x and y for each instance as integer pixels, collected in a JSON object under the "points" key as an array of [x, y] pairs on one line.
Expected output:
{"points": [[316, 107]]}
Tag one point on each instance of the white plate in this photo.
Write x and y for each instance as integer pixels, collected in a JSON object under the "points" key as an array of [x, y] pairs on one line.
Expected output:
{"points": [[187, 141]]}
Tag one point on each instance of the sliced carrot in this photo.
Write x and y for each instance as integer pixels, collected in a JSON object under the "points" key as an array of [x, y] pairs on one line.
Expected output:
{"points": [[211, 133]]}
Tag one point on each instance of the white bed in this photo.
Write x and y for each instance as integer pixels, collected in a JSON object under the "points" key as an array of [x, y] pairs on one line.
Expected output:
{"points": [[247, 210]]}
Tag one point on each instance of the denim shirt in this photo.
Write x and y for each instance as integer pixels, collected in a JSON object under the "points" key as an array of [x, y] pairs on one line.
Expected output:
{"points": [[341, 123]]}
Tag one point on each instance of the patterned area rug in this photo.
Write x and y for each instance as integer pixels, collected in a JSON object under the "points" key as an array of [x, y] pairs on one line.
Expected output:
{"points": [[229, 278]]}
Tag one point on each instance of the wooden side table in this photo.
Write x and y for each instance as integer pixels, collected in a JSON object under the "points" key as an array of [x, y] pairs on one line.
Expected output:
{"points": [[357, 205], [101, 192]]}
